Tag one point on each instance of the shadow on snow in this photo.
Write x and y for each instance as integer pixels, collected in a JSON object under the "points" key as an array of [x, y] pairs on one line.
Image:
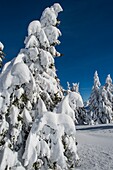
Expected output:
{"points": [[94, 127]]}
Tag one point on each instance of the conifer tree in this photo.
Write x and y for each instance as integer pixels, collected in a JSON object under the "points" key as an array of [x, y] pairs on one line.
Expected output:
{"points": [[1, 53], [94, 99], [105, 107], [75, 102], [109, 88], [100, 103], [75, 87], [32, 137], [68, 86]]}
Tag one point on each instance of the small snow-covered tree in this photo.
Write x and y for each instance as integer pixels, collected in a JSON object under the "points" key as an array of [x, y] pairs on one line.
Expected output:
{"points": [[72, 105], [100, 102], [109, 88], [108, 81], [32, 137], [96, 81], [75, 87], [1, 53], [94, 99], [78, 110], [105, 107], [68, 86]]}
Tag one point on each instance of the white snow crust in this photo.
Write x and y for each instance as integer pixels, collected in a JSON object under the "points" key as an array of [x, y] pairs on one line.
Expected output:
{"points": [[45, 139], [95, 147], [69, 104], [34, 27], [49, 15]]}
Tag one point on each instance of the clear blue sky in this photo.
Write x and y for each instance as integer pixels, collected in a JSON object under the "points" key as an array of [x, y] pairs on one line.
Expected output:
{"points": [[86, 42]]}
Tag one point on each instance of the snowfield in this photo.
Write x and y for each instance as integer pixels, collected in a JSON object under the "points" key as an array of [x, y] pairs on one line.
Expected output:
{"points": [[95, 147]]}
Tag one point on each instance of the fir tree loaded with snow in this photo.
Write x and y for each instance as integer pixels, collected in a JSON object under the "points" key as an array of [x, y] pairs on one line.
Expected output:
{"points": [[108, 101], [109, 88], [100, 102], [105, 107], [1, 53], [75, 102], [94, 100], [33, 137]]}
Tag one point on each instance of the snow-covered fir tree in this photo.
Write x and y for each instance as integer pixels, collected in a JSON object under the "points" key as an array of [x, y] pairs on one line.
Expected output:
{"points": [[80, 113], [75, 87], [68, 86], [105, 107], [94, 100], [109, 88], [31, 136], [1, 53], [69, 105], [100, 102], [75, 102]]}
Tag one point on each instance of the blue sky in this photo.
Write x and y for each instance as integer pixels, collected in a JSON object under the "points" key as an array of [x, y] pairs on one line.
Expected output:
{"points": [[86, 42]]}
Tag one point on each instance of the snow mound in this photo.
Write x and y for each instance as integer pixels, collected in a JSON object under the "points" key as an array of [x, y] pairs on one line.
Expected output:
{"points": [[18, 74], [52, 34], [75, 99], [31, 41], [69, 104], [8, 158], [34, 27], [49, 16], [44, 142], [57, 8]]}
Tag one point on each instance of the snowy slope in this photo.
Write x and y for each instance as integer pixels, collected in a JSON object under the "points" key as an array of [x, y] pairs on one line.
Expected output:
{"points": [[95, 147]]}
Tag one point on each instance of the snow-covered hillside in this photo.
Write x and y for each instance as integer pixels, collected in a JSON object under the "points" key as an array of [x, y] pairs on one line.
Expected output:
{"points": [[95, 147]]}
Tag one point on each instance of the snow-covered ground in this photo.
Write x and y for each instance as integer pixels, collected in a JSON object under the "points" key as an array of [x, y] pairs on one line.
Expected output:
{"points": [[95, 147]]}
